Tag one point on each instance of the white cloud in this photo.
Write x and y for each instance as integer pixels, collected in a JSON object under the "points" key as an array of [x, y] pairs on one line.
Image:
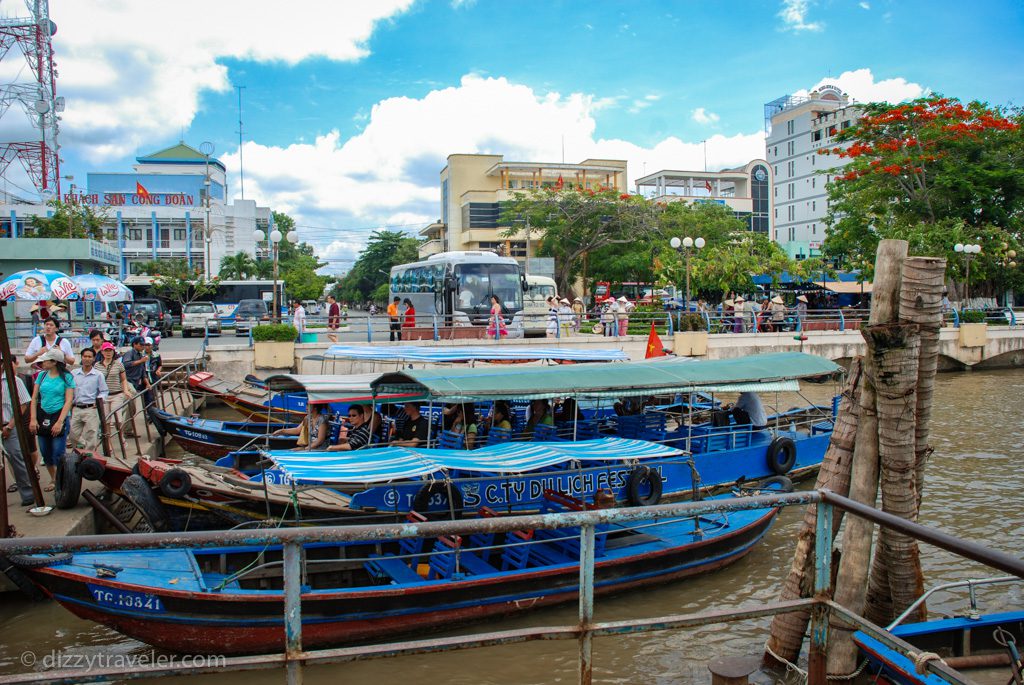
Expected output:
{"points": [[794, 16], [861, 85], [133, 72], [702, 116], [388, 174], [865, 5]]}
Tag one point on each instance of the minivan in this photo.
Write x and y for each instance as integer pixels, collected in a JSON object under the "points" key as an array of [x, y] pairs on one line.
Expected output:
{"points": [[249, 313], [156, 314], [199, 317]]}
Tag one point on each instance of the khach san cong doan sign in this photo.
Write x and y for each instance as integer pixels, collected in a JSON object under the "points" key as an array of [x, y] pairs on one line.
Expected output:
{"points": [[141, 196]]}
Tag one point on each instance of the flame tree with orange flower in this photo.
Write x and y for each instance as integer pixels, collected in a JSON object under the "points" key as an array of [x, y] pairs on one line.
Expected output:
{"points": [[935, 172]]}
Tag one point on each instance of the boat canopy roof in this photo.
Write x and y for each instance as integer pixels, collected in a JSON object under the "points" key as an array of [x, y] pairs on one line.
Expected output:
{"points": [[762, 372], [333, 388], [414, 353], [385, 464]]}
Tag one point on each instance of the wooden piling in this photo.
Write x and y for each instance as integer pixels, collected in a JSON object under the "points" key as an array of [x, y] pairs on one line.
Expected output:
{"points": [[788, 629], [851, 580]]}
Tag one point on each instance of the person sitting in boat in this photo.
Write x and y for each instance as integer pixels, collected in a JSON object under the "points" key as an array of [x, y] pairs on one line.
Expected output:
{"points": [[313, 431], [361, 432], [748, 410], [501, 416], [567, 411], [412, 433], [540, 412], [461, 418]]}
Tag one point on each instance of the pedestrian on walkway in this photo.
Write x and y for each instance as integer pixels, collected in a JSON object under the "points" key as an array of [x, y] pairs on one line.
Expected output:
{"points": [[117, 384], [298, 318], [801, 311], [52, 397], [89, 387], [394, 323], [11, 443]]}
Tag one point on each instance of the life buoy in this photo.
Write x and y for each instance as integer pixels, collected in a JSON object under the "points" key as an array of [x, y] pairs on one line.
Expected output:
{"points": [[781, 455], [641, 478], [69, 480], [176, 483], [91, 468], [137, 491], [421, 502]]}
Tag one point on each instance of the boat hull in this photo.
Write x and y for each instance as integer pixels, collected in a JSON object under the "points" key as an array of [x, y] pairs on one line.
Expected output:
{"points": [[252, 622], [215, 439]]}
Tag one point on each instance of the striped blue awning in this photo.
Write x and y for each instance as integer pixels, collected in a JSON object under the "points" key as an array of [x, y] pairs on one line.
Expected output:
{"points": [[392, 463], [441, 355]]}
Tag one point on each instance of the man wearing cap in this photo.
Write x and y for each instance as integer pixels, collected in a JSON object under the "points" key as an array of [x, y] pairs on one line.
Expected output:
{"points": [[12, 446], [48, 340], [89, 386], [134, 362]]}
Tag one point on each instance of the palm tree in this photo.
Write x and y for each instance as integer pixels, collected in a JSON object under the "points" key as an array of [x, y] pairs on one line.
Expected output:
{"points": [[237, 267]]}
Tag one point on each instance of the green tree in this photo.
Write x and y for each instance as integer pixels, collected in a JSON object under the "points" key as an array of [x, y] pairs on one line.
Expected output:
{"points": [[372, 269], [69, 220], [296, 264], [174, 280], [934, 172], [572, 223], [237, 267]]}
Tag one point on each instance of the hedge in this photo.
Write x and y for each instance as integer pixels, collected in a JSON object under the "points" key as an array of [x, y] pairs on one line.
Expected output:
{"points": [[275, 332]]}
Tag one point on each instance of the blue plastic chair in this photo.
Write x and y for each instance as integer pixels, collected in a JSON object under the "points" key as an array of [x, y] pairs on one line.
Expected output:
{"points": [[542, 432], [450, 440], [498, 435]]}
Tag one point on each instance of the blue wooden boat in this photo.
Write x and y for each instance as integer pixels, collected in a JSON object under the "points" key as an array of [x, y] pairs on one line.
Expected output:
{"points": [[213, 439], [231, 599], [969, 642]]}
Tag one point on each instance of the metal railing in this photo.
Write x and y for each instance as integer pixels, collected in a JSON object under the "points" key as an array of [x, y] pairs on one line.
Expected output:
{"points": [[584, 631]]}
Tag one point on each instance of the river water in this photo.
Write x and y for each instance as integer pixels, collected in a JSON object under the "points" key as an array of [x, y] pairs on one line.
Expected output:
{"points": [[973, 490]]}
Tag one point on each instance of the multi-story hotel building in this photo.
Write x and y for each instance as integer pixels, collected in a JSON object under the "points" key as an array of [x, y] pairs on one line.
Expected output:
{"points": [[796, 128], [745, 190], [473, 188]]}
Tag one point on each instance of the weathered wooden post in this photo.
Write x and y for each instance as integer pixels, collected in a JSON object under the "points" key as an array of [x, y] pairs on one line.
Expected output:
{"points": [[851, 581]]}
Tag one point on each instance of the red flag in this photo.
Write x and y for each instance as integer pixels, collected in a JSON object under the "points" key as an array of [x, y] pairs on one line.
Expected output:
{"points": [[654, 346], [707, 184], [141, 191], [559, 183]]}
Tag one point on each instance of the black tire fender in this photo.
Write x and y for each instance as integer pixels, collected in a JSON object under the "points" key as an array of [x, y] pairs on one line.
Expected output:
{"points": [[784, 484], [91, 468], [69, 481], [32, 561], [176, 483], [20, 580], [781, 455], [137, 491], [421, 501], [638, 477]]}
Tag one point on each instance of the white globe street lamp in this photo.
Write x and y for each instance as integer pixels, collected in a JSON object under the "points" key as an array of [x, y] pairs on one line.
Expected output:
{"points": [[275, 238], [684, 247], [258, 236], [292, 237], [968, 251]]}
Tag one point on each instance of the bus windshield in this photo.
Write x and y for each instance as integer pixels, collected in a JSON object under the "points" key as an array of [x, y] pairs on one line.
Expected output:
{"points": [[477, 282]]}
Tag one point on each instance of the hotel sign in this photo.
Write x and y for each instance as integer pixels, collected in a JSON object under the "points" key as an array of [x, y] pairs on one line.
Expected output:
{"points": [[124, 199]]}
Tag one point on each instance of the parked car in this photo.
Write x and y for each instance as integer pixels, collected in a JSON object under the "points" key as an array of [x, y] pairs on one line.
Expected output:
{"points": [[249, 313], [199, 317], [157, 315], [312, 307]]}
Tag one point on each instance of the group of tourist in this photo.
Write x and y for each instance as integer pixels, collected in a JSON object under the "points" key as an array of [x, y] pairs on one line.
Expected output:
{"points": [[741, 315], [58, 399]]}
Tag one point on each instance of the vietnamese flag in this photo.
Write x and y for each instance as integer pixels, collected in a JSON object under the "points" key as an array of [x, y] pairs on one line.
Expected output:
{"points": [[654, 345], [559, 183], [141, 191]]}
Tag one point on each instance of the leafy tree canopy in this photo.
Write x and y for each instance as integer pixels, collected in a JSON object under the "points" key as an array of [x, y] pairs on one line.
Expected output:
{"points": [[369, 275], [69, 220], [237, 267], [174, 280]]}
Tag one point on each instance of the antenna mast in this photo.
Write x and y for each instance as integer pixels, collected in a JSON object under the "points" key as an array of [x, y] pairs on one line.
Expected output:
{"points": [[241, 163]]}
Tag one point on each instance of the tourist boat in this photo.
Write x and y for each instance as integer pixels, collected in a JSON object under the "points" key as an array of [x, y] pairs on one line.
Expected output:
{"points": [[213, 439], [231, 599], [248, 400], [640, 457], [968, 642]]}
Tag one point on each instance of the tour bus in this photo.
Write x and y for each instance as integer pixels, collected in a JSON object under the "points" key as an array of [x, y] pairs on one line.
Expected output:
{"points": [[457, 288], [535, 303]]}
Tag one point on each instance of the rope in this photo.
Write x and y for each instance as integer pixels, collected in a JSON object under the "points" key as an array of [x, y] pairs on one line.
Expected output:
{"points": [[790, 666], [921, 660], [849, 676]]}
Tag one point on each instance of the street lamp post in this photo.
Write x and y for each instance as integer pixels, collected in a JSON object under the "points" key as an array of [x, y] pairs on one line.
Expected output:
{"points": [[275, 238], [684, 247], [206, 148], [968, 251]]}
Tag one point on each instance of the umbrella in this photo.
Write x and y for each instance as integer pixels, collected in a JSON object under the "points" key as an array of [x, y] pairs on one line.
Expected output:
{"points": [[99, 288], [38, 284]]}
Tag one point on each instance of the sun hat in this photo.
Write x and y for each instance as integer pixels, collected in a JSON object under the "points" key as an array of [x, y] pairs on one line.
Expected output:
{"points": [[576, 299], [147, 340], [623, 299], [107, 346], [728, 303], [802, 298], [610, 299], [58, 306], [564, 301], [739, 298], [54, 354], [778, 300], [34, 308]]}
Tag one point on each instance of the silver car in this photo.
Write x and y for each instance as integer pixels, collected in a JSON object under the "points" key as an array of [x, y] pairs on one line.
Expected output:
{"points": [[199, 317]]}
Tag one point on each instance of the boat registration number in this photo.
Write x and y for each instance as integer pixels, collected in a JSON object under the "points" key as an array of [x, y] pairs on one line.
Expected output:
{"points": [[195, 435], [126, 599]]}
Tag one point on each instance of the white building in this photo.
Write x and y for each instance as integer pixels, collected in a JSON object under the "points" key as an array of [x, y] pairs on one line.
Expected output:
{"points": [[745, 190], [796, 128], [159, 211]]}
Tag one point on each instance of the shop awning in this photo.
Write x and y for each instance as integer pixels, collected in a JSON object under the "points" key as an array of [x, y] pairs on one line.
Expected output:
{"points": [[666, 376], [332, 388]]}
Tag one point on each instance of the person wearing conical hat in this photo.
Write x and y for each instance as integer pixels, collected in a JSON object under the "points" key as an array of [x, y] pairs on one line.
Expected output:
{"points": [[801, 311], [738, 314], [778, 310]]}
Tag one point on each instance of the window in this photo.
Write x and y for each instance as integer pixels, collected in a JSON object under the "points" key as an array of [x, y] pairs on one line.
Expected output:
{"points": [[812, 159], [789, 148], [813, 179], [179, 234], [776, 171], [792, 215], [816, 136], [814, 206], [792, 169], [814, 229], [776, 190], [792, 233], [790, 190], [776, 151], [831, 131], [134, 234], [789, 127], [847, 124], [776, 213]]}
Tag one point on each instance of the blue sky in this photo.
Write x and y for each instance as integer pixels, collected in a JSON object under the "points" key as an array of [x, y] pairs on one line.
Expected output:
{"points": [[350, 108]]}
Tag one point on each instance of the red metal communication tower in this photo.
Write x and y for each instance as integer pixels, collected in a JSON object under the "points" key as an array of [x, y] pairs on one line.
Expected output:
{"points": [[40, 158]]}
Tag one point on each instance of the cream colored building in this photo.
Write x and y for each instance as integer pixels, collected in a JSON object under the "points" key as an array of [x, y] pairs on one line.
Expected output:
{"points": [[474, 188]]}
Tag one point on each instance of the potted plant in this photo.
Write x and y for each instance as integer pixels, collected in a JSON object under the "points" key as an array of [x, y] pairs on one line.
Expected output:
{"points": [[274, 345], [973, 329], [691, 340]]}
